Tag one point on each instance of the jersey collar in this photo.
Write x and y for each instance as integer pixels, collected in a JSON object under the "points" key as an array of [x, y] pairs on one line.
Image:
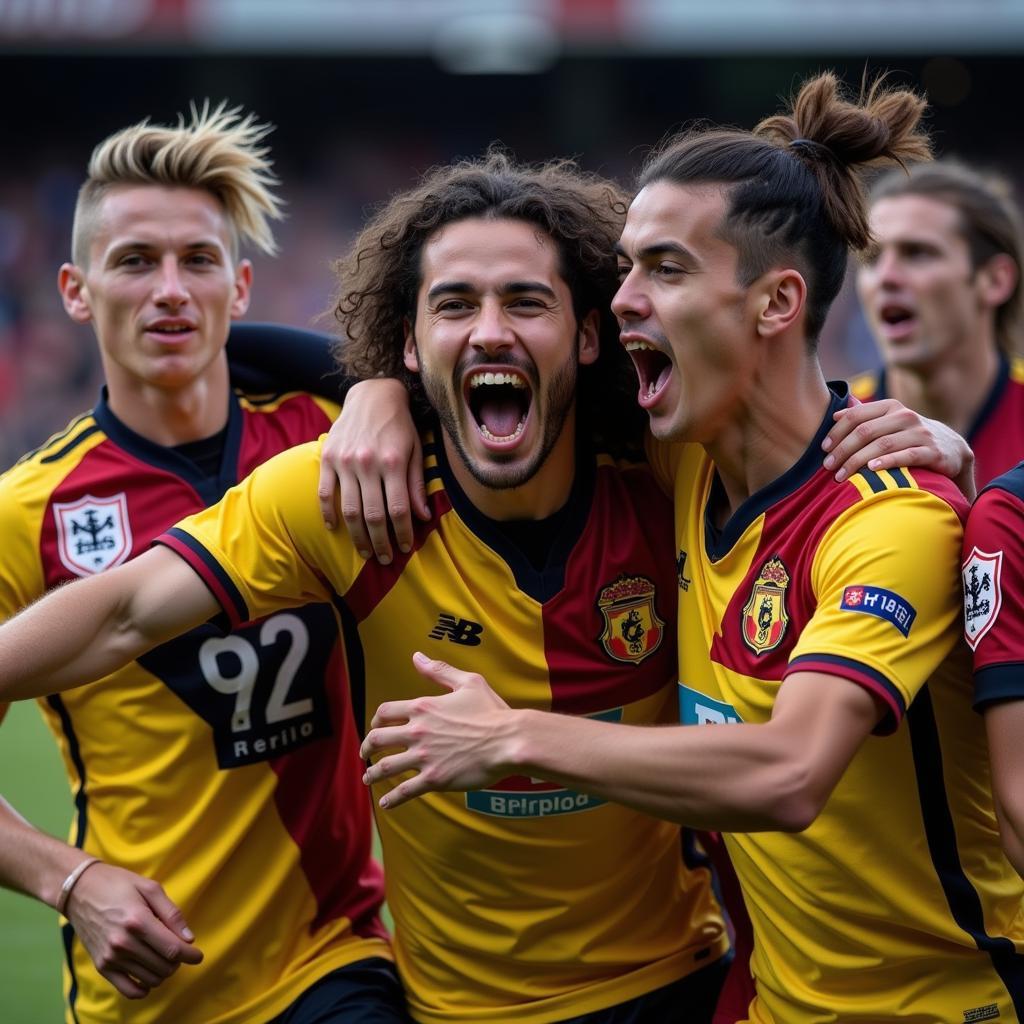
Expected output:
{"points": [[542, 584], [719, 543], [210, 488]]}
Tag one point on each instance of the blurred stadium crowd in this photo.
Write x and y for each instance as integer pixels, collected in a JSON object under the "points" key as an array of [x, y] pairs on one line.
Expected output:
{"points": [[351, 132], [49, 369]]}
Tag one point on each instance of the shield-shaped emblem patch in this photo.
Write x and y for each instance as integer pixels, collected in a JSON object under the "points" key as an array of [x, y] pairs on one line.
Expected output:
{"points": [[764, 615], [93, 534], [983, 594], [632, 628]]}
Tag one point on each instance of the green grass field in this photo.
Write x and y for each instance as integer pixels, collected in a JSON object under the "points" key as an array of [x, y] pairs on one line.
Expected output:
{"points": [[32, 779]]}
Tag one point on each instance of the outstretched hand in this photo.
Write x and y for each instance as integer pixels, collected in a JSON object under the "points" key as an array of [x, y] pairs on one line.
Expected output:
{"points": [[452, 741], [135, 935], [373, 454], [886, 434]]}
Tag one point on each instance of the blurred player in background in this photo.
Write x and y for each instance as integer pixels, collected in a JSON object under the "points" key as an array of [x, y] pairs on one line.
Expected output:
{"points": [[942, 295], [870, 863], [222, 766]]}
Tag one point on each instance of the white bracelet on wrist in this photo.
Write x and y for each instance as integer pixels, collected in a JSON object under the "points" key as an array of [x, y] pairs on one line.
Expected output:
{"points": [[71, 881]]}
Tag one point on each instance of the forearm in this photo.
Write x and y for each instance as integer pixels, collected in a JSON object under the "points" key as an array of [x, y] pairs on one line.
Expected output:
{"points": [[92, 627], [75, 634], [735, 778], [32, 862]]}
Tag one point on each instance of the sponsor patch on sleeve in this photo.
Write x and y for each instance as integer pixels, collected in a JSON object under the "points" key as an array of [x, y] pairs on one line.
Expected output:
{"points": [[881, 603]]}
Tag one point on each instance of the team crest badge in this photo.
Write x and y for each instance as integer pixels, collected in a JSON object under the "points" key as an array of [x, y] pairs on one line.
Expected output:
{"points": [[764, 615], [983, 593], [93, 533], [632, 629]]}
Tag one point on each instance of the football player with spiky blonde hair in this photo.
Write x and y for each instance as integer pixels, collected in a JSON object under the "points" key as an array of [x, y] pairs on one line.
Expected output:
{"points": [[223, 765]]}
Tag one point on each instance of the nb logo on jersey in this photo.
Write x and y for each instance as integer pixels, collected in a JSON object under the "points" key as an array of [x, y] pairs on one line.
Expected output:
{"points": [[684, 580], [457, 631]]}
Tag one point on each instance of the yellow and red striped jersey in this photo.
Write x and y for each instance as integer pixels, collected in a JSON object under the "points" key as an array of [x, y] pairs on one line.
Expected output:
{"points": [[255, 821], [993, 577], [897, 902], [525, 901]]}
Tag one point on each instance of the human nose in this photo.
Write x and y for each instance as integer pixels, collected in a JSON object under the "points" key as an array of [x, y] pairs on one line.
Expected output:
{"points": [[630, 302], [887, 270], [170, 288], [491, 332]]}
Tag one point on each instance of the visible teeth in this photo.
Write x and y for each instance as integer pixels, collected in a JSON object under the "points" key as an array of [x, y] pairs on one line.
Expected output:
{"points": [[511, 437], [497, 378], [651, 389], [637, 346]]}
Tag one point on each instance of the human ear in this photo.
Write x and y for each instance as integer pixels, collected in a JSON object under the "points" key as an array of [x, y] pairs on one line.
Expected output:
{"points": [[589, 338], [410, 356], [73, 293], [243, 289], [781, 300], [997, 278]]}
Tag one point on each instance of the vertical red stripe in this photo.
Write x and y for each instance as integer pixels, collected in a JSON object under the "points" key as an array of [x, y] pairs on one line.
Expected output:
{"points": [[326, 809], [630, 533]]}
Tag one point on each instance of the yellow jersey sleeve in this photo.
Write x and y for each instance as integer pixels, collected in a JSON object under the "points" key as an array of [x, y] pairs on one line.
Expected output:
{"points": [[21, 580], [887, 602], [263, 546]]}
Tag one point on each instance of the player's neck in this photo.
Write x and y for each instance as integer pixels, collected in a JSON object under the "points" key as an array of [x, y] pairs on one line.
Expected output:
{"points": [[171, 417], [769, 432], [541, 496], [952, 389]]}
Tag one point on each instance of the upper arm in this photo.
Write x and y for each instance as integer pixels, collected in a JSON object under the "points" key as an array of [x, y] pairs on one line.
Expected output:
{"points": [[163, 596], [820, 721], [273, 357], [993, 583], [1004, 725]]}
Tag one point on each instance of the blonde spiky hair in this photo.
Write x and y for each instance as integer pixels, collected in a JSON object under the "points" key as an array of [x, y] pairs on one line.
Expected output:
{"points": [[217, 151]]}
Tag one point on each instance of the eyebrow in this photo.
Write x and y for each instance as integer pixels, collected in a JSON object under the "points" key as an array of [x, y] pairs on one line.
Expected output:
{"points": [[658, 249], [508, 288], [205, 243]]}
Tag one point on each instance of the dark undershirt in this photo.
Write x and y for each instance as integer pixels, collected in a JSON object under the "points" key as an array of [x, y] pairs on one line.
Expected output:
{"points": [[534, 537], [205, 454]]}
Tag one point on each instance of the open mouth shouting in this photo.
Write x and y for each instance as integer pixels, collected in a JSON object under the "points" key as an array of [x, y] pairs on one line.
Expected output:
{"points": [[500, 400], [896, 320], [653, 367]]}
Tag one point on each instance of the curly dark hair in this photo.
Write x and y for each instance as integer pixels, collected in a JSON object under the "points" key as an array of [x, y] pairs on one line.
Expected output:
{"points": [[583, 214]]}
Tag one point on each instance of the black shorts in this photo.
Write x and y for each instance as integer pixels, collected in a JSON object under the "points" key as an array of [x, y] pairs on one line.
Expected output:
{"points": [[690, 1000], [365, 992]]}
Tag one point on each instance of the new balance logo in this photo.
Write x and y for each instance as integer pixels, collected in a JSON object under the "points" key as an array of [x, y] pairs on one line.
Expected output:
{"points": [[458, 631]]}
